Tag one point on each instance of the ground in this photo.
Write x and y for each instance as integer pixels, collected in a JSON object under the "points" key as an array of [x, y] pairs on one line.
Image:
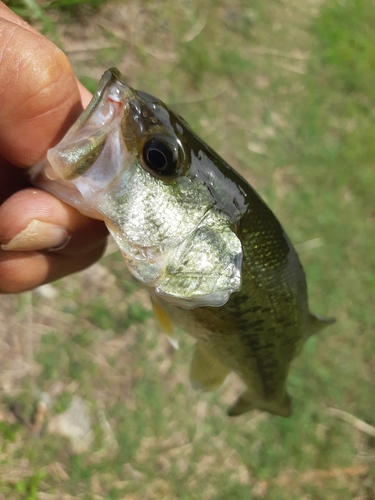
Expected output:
{"points": [[284, 91]]}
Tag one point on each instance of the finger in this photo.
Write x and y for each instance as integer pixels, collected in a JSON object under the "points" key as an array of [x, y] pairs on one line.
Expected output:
{"points": [[38, 92], [9, 15], [32, 219], [21, 271], [12, 179]]}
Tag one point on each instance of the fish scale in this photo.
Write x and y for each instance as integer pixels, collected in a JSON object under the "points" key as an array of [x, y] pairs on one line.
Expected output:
{"points": [[215, 259]]}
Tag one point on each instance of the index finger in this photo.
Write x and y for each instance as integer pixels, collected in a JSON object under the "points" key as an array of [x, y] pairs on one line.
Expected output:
{"points": [[9, 15], [39, 95]]}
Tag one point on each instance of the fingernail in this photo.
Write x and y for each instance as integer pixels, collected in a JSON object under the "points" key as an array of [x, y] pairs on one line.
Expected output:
{"points": [[38, 235]]}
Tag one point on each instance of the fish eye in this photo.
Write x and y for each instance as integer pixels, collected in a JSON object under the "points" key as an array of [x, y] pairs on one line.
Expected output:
{"points": [[160, 155]]}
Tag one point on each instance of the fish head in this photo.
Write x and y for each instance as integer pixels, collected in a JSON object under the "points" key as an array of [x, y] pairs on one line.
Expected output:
{"points": [[132, 162]]}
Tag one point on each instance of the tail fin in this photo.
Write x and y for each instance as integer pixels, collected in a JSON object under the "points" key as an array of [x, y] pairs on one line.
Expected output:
{"points": [[246, 402]]}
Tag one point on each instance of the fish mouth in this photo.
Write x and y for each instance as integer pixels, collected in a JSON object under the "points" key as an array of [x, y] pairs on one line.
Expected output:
{"points": [[92, 135], [92, 155]]}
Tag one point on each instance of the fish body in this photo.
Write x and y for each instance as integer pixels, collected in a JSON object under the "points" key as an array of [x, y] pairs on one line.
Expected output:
{"points": [[213, 256]]}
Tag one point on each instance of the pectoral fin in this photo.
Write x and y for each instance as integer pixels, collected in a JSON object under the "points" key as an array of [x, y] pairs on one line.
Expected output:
{"points": [[206, 371], [247, 402], [165, 322]]}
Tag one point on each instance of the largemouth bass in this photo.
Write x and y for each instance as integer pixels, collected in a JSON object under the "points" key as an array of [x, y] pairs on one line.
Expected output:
{"points": [[213, 256]]}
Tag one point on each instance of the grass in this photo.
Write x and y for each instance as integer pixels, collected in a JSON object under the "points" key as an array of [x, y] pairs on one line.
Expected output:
{"points": [[285, 93]]}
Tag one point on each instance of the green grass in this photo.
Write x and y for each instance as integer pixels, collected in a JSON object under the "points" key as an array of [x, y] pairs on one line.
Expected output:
{"points": [[287, 96]]}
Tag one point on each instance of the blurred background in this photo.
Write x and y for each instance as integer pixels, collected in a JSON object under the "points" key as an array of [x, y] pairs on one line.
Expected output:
{"points": [[94, 403]]}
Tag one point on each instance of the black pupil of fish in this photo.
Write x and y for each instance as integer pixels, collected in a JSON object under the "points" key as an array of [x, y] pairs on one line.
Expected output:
{"points": [[157, 159], [160, 157]]}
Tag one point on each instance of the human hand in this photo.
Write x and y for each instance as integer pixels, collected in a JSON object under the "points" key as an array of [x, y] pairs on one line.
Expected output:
{"points": [[41, 238]]}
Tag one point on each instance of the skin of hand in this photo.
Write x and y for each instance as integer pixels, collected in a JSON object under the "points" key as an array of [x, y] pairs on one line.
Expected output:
{"points": [[41, 238]]}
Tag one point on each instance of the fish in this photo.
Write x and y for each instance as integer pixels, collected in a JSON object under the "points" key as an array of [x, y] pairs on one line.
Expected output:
{"points": [[216, 261]]}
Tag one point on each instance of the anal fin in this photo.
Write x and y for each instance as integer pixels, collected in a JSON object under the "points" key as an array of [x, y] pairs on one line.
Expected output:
{"points": [[206, 370], [247, 402]]}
